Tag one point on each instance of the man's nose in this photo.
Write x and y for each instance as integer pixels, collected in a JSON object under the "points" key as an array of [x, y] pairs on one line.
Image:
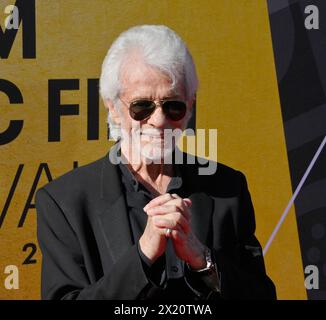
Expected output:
{"points": [[158, 118]]}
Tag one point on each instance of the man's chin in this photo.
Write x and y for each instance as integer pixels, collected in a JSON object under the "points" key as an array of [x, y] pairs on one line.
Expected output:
{"points": [[157, 155]]}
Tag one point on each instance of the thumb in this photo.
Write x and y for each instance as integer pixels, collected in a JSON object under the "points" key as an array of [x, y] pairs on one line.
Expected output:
{"points": [[187, 202]]}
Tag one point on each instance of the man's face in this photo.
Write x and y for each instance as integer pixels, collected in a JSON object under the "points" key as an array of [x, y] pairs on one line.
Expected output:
{"points": [[147, 136]]}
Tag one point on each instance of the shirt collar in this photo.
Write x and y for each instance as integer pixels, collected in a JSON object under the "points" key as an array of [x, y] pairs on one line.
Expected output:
{"points": [[128, 176]]}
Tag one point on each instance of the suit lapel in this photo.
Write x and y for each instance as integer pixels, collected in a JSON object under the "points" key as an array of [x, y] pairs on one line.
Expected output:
{"points": [[113, 216]]}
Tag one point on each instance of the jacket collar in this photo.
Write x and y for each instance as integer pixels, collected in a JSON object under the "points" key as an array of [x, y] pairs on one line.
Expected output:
{"points": [[113, 217]]}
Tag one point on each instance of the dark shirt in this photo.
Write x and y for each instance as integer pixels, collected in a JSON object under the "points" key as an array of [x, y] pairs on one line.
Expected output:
{"points": [[168, 272]]}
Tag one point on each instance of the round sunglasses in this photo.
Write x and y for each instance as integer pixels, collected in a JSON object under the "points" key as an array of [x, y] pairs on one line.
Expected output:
{"points": [[143, 108]]}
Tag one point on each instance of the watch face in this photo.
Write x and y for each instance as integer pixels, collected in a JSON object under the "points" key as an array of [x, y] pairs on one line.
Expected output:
{"points": [[209, 271], [208, 256]]}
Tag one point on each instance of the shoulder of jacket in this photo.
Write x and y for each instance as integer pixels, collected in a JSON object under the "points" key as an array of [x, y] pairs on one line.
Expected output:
{"points": [[76, 178]]}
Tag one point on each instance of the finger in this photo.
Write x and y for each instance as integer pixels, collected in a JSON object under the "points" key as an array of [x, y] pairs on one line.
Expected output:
{"points": [[188, 202], [166, 224], [163, 231], [178, 203], [178, 236], [165, 209], [181, 202], [172, 221], [162, 199], [160, 210], [178, 218]]}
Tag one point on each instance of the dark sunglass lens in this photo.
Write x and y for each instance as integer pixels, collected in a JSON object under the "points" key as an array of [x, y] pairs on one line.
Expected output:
{"points": [[141, 109], [175, 110]]}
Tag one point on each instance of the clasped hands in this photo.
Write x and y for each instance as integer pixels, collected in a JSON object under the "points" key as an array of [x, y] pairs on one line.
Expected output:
{"points": [[169, 211]]}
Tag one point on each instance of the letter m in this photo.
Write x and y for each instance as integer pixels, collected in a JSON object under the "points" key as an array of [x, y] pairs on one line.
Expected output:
{"points": [[26, 10]]}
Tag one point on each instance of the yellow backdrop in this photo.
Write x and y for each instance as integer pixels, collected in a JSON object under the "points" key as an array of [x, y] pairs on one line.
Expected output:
{"points": [[231, 44]]}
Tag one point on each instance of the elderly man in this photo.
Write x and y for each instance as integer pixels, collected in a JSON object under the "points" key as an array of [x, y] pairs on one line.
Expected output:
{"points": [[133, 225]]}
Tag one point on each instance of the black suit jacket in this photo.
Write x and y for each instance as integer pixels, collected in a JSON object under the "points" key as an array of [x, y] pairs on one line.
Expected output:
{"points": [[87, 248]]}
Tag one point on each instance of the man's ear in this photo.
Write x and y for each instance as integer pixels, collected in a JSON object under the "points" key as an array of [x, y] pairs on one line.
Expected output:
{"points": [[114, 113]]}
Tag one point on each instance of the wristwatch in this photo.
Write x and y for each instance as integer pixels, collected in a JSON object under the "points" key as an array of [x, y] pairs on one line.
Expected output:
{"points": [[210, 266], [209, 274]]}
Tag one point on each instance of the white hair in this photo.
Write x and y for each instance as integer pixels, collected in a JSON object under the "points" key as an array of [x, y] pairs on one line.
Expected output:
{"points": [[160, 47]]}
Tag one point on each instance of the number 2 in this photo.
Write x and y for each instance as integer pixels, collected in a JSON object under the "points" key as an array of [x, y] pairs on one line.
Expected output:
{"points": [[29, 259]]}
